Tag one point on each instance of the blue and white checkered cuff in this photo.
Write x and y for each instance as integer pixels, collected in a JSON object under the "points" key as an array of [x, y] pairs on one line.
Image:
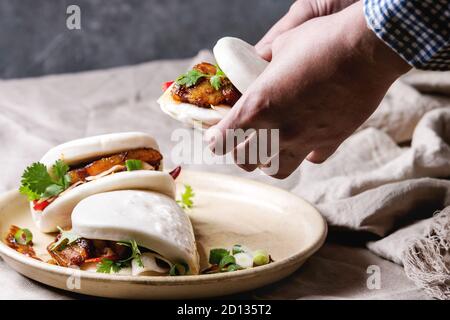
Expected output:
{"points": [[418, 30]]}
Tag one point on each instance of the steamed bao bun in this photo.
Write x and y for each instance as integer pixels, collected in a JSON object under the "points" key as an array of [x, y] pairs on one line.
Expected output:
{"points": [[155, 221], [58, 213], [240, 63]]}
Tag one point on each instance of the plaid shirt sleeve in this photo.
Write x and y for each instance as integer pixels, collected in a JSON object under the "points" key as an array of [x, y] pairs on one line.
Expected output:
{"points": [[418, 30]]}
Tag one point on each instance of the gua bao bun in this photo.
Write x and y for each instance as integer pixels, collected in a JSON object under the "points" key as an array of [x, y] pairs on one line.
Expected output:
{"points": [[98, 164], [153, 220], [237, 62]]}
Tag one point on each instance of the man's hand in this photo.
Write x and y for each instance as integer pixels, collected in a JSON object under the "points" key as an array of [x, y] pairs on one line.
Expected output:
{"points": [[300, 12], [325, 79]]}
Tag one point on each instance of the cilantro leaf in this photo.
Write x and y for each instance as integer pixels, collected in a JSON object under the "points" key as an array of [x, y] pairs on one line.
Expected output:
{"points": [[186, 197], [216, 80], [107, 265], [66, 238], [25, 190], [35, 180], [190, 78], [59, 171], [52, 190], [38, 183], [134, 165]]}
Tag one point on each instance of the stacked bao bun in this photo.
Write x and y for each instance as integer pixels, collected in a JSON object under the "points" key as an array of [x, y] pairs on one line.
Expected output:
{"points": [[121, 205], [240, 64]]}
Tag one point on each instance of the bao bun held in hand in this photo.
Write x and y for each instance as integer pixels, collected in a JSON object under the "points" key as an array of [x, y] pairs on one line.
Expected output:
{"points": [[97, 164], [155, 221], [238, 67]]}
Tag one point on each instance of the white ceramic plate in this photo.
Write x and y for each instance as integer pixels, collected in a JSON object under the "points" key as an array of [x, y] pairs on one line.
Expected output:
{"points": [[228, 210]]}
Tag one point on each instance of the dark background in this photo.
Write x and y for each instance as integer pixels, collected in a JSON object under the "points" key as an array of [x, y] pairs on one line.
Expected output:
{"points": [[34, 39]]}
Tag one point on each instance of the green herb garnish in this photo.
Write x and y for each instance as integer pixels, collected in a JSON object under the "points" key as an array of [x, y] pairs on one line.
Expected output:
{"points": [[216, 255], [38, 183], [135, 252], [23, 236], [237, 248], [133, 165], [179, 269], [59, 173], [108, 265], [186, 197], [216, 80], [226, 261], [260, 258], [190, 78], [234, 267], [66, 239], [222, 260]]}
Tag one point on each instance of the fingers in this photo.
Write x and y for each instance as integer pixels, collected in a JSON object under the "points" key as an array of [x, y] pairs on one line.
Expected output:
{"points": [[284, 163], [319, 155], [265, 51], [299, 12], [242, 116], [246, 154]]}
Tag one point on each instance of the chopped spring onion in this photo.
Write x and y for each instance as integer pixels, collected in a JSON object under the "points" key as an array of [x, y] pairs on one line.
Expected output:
{"points": [[226, 261], [260, 257], [66, 238], [238, 258], [133, 165], [234, 267], [216, 255], [23, 236], [244, 259], [237, 248], [179, 269]]}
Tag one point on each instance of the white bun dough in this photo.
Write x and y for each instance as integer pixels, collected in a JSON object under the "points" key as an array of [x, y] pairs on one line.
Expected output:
{"points": [[239, 61], [153, 220], [82, 150], [58, 213]]}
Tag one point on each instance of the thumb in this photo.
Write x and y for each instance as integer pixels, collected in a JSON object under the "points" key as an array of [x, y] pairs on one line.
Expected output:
{"points": [[241, 116]]}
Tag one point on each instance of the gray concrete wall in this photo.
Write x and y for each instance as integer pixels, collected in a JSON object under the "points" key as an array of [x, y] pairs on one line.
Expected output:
{"points": [[34, 39]]}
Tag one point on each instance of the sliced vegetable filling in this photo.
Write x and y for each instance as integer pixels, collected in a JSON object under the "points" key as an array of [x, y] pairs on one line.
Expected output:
{"points": [[110, 256]]}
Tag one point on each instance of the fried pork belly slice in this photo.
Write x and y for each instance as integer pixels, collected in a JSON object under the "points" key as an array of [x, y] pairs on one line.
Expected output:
{"points": [[203, 93], [110, 249], [72, 255], [151, 156]]}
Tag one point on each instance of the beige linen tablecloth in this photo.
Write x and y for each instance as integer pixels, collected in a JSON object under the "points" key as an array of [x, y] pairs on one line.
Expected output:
{"points": [[371, 190]]}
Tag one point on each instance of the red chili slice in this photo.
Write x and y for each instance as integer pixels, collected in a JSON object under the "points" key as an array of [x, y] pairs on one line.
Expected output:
{"points": [[166, 85], [175, 172], [40, 206], [99, 259]]}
